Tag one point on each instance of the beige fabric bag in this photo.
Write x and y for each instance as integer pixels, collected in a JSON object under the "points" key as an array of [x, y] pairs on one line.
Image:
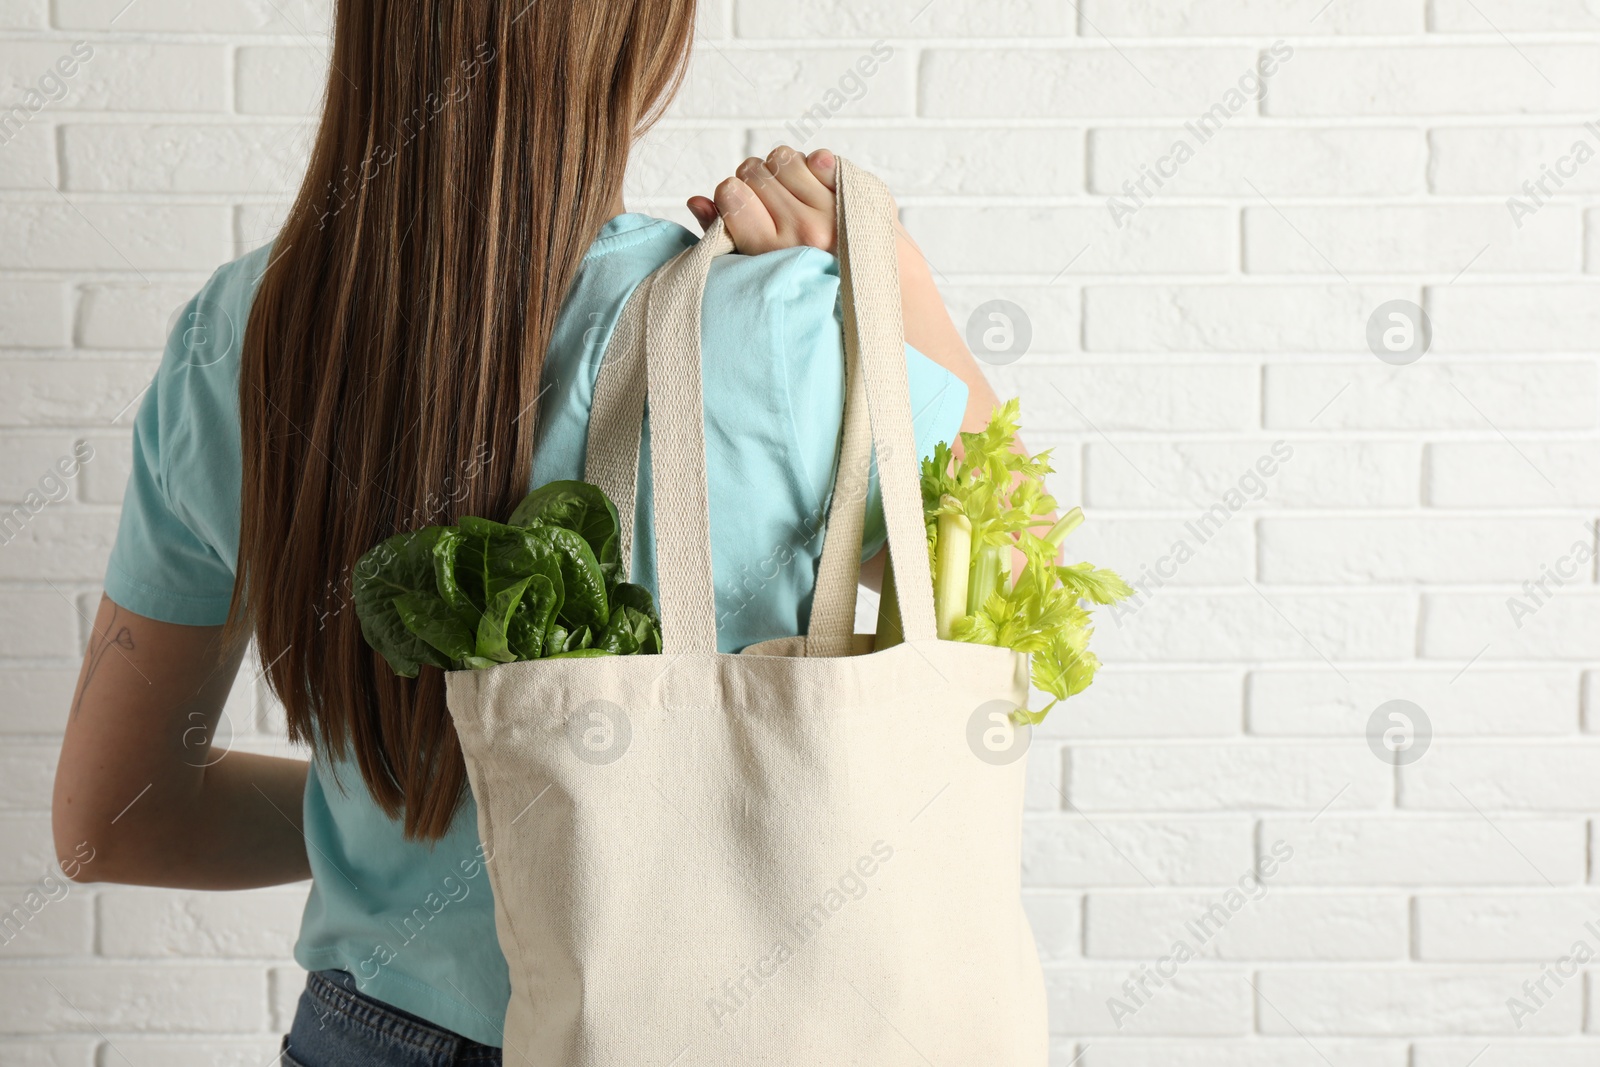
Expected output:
{"points": [[797, 856]]}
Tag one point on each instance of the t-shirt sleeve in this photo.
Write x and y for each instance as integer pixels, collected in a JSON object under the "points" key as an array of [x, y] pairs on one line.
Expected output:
{"points": [[811, 341], [160, 567]]}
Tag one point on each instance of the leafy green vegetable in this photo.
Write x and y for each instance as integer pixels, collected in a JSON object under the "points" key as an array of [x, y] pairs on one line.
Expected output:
{"points": [[556, 639], [432, 620], [494, 641], [581, 576], [636, 600], [400, 566], [628, 632], [979, 510], [529, 629], [480, 593], [581, 508]]}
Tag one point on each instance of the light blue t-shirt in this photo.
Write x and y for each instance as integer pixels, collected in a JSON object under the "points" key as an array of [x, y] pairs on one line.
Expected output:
{"points": [[415, 922]]}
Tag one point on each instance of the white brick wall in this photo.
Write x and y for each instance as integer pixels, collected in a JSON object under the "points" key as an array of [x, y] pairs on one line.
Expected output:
{"points": [[1227, 312]]}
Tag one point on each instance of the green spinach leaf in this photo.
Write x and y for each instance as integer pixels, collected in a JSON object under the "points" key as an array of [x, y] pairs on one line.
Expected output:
{"points": [[529, 629], [445, 552], [493, 641], [399, 566], [637, 600], [628, 632], [493, 557], [432, 620], [581, 508], [579, 638], [584, 603]]}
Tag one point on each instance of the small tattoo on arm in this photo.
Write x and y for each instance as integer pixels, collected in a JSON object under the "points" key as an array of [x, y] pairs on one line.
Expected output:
{"points": [[100, 644]]}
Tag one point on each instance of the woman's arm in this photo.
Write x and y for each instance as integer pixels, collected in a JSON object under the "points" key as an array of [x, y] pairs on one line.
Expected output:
{"points": [[141, 792]]}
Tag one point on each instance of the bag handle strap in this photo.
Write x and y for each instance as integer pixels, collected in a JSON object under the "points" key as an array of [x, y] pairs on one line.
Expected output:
{"points": [[678, 446], [654, 354], [877, 417], [833, 604], [878, 394], [616, 418]]}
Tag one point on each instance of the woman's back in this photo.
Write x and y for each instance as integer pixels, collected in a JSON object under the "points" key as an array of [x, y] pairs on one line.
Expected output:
{"points": [[412, 921]]}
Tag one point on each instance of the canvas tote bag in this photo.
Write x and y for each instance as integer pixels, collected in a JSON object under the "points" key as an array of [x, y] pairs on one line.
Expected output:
{"points": [[802, 855]]}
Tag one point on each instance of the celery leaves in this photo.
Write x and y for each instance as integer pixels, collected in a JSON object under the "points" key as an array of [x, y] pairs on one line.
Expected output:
{"points": [[998, 494]]}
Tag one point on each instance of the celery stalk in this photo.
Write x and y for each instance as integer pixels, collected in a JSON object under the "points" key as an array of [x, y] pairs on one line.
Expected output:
{"points": [[1065, 525], [992, 561], [952, 573]]}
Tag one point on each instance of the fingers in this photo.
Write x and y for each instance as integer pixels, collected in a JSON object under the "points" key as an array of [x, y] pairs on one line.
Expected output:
{"points": [[794, 172], [800, 205], [780, 202], [704, 211], [826, 168], [749, 222]]}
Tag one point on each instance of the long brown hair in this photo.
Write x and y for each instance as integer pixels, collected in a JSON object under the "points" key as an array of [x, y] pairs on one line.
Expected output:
{"points": [[469, 152]]}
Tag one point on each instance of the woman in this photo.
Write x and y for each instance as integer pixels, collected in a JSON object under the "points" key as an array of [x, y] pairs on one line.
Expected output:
{"points": [[421, 342]]}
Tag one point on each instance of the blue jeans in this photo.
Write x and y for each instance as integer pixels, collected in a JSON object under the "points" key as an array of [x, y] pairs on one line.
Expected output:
{"points": [[336, 1025]]}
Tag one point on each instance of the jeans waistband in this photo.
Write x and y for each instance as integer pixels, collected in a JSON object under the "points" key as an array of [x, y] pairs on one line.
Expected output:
{"points": [[331, 997]]}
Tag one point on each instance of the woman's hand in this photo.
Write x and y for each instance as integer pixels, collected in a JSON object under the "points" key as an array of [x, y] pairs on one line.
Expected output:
{"points": [[783, 201]]}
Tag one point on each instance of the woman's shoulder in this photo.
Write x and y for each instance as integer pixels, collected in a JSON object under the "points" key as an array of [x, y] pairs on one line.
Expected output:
{"points": [[766, 320], [801, 280], [196, 386], [206, 335], [797, 281], [177, 539], [773, 354], [784, 304]]}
